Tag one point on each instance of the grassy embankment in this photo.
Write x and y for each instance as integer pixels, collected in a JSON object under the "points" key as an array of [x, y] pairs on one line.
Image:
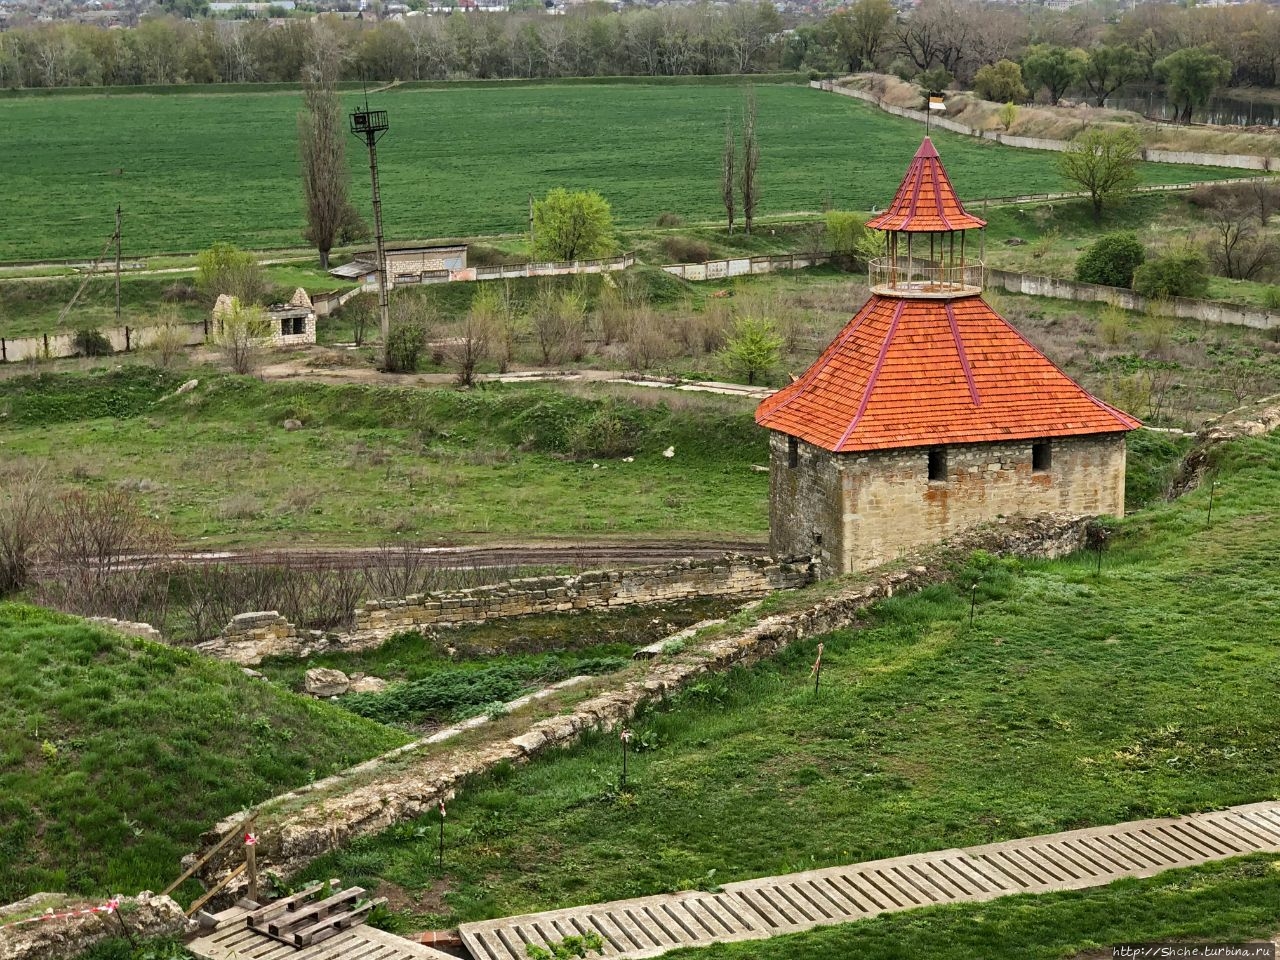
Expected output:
{"points": [[647, 148], [375, 463], [1073, 699], [118, 753]]}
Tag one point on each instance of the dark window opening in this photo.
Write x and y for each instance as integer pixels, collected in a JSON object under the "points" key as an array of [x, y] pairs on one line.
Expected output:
{"points": [[938, 466], [293, 326], [793, 452], [1041, 456]]}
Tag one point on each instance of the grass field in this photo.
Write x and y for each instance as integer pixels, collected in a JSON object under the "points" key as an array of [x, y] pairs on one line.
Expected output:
{"points": [[457, 161], [377, 463], [116, 754], [1073, 699]]}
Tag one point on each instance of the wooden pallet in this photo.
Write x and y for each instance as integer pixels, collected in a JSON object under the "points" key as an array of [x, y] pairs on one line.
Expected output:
{"points": [[301, 921], [757, 909], [233, 939]]}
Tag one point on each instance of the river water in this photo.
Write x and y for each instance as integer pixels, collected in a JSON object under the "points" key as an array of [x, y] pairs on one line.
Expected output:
{"points": [[1221, 109]]}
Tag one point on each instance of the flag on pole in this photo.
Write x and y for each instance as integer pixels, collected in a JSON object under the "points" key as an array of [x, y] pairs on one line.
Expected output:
{"points": [[817, 664], [935, 103]]}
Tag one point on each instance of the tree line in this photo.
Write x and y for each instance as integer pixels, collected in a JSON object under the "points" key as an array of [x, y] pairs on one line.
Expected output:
{"points": [[955, 37], [741, 39]]}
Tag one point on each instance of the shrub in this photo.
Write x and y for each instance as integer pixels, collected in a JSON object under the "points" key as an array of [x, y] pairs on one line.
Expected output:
{"points": [[1182, 274], [752, 350], [608, 433], [1000, 81], [241, 334], [180, 291], [1271, 298], [1111, 260], [224, 268], [168, 344], [845, 236], [90, 342], [1113, 327], [669, 219], [686, 250], [405, 344]]}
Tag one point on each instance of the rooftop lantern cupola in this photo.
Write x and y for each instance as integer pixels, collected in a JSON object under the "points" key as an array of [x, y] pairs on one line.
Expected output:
{"points": [[922, 255]]}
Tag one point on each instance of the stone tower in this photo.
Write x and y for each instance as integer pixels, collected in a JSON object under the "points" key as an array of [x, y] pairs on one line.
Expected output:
{"points": [[929, 412]]}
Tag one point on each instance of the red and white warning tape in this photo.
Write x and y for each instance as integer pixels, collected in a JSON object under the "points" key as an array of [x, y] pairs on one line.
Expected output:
{"points": [[108, 907]]}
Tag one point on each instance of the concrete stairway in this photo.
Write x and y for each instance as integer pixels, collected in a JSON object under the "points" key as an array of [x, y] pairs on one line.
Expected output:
{"points": [[756, 909]]}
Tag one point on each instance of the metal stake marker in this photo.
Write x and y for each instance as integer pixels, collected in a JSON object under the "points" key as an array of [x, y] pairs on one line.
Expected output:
{"points": [[625, 737], [973, 601], [1213, 489], [816, 671], [440, 858]]}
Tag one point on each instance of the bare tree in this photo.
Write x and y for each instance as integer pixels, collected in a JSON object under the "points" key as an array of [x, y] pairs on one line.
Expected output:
{"points": [[24, 513], [1237, 248], [471, 345], [240, 333], [750, 162], [728, 160], [322, 150]]}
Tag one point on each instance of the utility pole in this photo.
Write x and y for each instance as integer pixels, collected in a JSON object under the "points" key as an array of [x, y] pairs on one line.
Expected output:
{"points": [[117, 264], [532, 238], [371, 125]]}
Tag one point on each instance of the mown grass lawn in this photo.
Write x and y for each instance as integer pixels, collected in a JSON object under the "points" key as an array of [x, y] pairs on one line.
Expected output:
{"points": [[458, 161], [373, 464], [1073, 699], [116, 754]]}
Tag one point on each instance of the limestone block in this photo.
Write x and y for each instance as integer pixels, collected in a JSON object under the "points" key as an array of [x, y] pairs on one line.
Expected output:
{"points": [[325, 682]]}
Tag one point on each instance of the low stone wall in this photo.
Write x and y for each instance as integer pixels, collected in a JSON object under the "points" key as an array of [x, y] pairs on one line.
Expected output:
{"points": [[143, 916], [295, 832], [251, 636], [729, 576], [129, 628]]}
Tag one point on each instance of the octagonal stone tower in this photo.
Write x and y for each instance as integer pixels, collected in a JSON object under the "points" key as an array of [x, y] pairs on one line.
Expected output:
{"points": [[929, 412]]}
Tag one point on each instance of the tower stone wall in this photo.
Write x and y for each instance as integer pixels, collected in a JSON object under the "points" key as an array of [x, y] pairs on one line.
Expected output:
{"points": [[851, 511]]}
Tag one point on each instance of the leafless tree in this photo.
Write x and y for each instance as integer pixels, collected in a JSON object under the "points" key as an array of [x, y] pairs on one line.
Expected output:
{"points": [[24, 516], [728, 160], [322, 150], [471, 345], [750, 162], [1238, 249]]}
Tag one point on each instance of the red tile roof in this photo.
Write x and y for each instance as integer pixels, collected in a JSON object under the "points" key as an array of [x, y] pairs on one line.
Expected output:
{"points": [[915, 372], [925, 201]]}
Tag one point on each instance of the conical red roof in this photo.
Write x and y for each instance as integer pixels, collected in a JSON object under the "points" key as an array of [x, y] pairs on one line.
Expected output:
{"points": [[926, 201], [922, 372]]}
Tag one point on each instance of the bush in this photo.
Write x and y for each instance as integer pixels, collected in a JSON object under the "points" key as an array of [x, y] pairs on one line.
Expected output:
{"points": [[1271, 298], [686, 250], [1111, 260], [608, 433], [1000, 82], [1183, 274], [224, 268], [669, 219], [405, 345], [89, 342]]}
